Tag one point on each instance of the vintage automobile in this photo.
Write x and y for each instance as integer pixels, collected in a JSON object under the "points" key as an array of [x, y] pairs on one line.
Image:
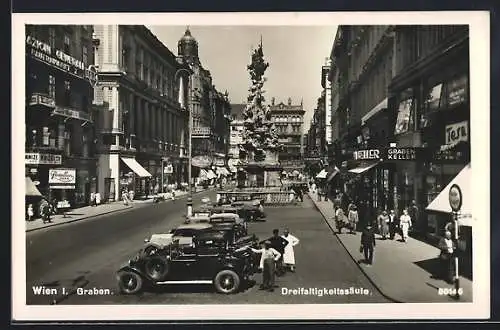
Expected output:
{"points": [[252, 210], [223, 221], [182, 235], [212, 259]]}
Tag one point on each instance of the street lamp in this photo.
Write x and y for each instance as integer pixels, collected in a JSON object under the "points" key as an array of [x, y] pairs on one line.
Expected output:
{"points": [[190, 125]]}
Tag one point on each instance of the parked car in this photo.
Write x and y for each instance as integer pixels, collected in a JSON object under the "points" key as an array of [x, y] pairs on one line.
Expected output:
{"points": [[212, 259], [182, 235], [231, 220], [253, 210]]}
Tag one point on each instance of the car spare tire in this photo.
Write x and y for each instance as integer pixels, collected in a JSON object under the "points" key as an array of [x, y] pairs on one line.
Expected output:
{"points": [[129, 282], [227, 281], [157, 268]]}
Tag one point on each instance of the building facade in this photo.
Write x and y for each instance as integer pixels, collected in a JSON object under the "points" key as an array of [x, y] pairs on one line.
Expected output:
{"points": [[402, 90], [289, 121], [142, 126], [210, 108], [60, 153]]}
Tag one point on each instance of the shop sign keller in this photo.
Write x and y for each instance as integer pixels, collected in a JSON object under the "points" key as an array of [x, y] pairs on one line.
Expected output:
{"points": [[366, 154]]}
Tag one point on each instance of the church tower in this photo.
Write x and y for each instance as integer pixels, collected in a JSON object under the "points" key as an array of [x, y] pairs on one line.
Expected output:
{"points": [[188, 47]]}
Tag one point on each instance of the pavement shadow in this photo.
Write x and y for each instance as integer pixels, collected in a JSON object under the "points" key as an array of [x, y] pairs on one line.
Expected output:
{"points": [[67, 214], [431, 266]]}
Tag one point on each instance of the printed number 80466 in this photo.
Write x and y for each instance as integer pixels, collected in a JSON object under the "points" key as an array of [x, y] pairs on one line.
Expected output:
{"points": [[450, 291]]}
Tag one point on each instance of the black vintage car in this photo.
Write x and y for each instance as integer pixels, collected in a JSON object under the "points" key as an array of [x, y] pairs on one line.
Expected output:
{"points": [[214, 258]]}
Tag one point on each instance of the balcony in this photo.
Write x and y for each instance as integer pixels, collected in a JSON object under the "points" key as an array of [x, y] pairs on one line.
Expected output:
{"points": [[42, 99], [201, 132]]}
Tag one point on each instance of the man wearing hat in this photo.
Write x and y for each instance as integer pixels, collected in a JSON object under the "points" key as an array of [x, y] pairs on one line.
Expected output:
{"points": [[278, 243], [368, 243], [268, 259]]}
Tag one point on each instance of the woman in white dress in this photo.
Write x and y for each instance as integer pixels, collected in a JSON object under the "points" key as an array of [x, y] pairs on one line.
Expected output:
{"points": [[405, 224], [289, 254]]}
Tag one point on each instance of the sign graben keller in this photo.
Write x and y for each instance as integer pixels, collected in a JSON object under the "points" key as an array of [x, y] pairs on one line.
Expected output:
{"points": [[401, 154]]}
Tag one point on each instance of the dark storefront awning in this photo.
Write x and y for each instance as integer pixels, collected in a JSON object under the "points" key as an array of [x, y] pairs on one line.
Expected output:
{"points": [[332, 173], [31, 189], [136, 167], [364, 167]]}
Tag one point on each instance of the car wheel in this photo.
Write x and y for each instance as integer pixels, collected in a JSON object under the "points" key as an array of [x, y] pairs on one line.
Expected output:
{"points": [[149, 250], [129, 282], [156, 268], [227, 281]]}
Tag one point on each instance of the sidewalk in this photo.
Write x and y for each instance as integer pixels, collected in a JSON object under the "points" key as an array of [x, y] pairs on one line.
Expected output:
{"points": [[94, 211], [401, 271]]}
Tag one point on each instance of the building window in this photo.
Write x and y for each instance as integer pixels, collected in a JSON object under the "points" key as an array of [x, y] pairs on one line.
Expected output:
{"points": [[52, 37], [404, 121], [67, 143], [67, 44], [45, 136], [52, 87], [67, 93], [85, 55]]}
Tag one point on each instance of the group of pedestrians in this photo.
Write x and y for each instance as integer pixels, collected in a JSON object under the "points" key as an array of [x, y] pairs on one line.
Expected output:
{"points": [[277, 257]]}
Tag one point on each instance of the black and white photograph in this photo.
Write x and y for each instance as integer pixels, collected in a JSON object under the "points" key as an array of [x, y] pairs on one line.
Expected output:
{"points": [[251, 166]]}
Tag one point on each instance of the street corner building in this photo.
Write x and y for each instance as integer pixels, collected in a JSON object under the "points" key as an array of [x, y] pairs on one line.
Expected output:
{"points": [[60, 153], [397, 120]]}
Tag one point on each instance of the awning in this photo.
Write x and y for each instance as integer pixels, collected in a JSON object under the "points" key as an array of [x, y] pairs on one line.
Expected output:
{"points": [[136, 167], [332, 174], [211, 175], [364, 167], [221, 171], [322, 175], [203, 174], [441, 203], [31, 189]]}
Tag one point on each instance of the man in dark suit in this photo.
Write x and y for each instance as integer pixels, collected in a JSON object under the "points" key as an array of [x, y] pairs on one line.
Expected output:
{"points": [[278, 243], [368, 243]]}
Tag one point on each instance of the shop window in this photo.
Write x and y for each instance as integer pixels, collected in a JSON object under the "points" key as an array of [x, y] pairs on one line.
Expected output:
{"points": [[404, 121], [433, 97], [456, 91], [45, 136], [85, 145], [85, 57], [52, 138], [52, 87], [67, 143], [67, 93], [67, 44], [52, 37]]}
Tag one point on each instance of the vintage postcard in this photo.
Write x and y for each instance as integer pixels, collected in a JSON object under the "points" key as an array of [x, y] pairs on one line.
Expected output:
{"points": [[251, 166]]}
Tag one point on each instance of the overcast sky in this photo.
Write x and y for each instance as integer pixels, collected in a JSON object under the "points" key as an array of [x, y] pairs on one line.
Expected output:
{"points": [[295, 55]]}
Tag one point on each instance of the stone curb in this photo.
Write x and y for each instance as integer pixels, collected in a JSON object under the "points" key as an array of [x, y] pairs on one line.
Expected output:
{"points": [[351, 255], [105, 213]]}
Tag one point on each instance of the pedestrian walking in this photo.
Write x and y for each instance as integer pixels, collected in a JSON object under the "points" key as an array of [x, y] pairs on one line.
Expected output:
{"points": [[414, 213], [383, 222], [289, 253], [368, 244], [125, 197], [447, 247], [278, 243], [268, 259], [172, 196], [300, 193], [340, 221], [92, 199], [46, 212], [353, 218], [97, 199], [392, 224], [405, 224], [30, 212]]}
